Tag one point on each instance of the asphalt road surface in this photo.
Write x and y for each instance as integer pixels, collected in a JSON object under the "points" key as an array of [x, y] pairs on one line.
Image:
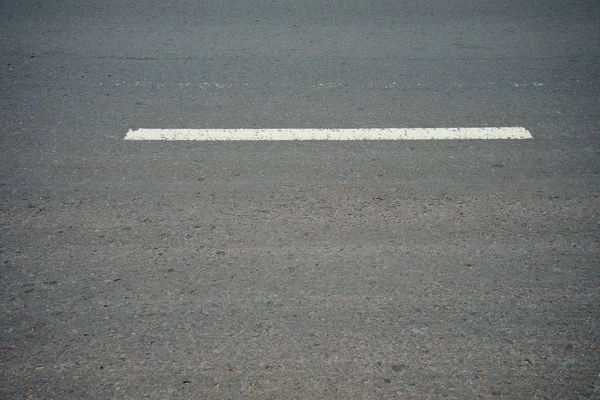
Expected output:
{"points": [[457, 269]]}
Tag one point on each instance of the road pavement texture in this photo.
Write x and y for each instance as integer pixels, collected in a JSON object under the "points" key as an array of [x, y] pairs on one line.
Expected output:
{"points": [[457, 269]]}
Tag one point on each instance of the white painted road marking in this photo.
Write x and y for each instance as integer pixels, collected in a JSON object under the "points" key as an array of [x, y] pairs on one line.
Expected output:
{"points": [[330, 134]]}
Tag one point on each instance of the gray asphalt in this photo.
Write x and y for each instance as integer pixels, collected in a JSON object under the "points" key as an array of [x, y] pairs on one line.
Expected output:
{"points": [[300, 270]]}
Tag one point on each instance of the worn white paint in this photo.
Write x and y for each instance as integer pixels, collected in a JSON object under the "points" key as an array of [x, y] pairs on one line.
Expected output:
{"points": [[330, 134]]}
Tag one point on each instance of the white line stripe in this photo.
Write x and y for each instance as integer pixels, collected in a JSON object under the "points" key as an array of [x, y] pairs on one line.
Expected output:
{"points": [[330, 134]]}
